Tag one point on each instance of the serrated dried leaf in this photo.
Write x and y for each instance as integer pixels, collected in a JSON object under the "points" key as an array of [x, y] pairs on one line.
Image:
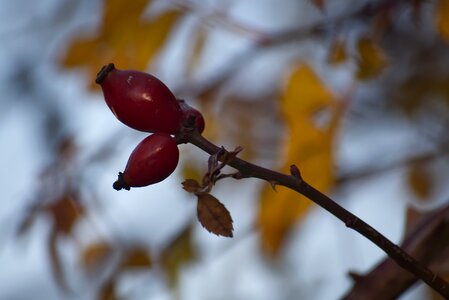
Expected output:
{"points": [[191, 186], [214, 216]]}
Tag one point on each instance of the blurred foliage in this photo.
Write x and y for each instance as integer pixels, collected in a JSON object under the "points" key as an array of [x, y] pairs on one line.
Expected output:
{"points": [[442, 18], [179, 252], [298, 122], [371, 59], [311, 116], [126, 37], [420, 180]]}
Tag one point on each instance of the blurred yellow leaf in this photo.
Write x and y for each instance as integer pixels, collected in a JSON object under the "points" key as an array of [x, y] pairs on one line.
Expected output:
{"points": [[125, 38], [191, 170], [442, 18], [278, 213], [177, 253], [309, 146], [197, 41], [372, 60], [420, 181]]}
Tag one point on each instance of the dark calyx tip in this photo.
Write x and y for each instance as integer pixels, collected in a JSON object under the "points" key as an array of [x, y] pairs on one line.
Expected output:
{"points": [[103, 72], [120, 183]]}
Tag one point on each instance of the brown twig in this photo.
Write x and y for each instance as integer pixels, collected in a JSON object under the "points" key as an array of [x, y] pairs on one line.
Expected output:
{"points": [[428, 242], [296, 183]]}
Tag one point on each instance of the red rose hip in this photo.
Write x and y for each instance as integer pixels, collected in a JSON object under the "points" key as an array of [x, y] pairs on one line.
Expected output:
{"points": [[189, 111], [153, 160], [140, 100]]}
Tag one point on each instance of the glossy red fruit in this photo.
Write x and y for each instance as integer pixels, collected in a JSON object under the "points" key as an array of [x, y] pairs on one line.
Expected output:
{"points": [[140, 100], [189, 111], [153, 160]]}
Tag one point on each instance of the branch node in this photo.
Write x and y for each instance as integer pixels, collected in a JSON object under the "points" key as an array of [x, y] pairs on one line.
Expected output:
{"points": [[188, 128], [356, 277], [238, 175], [294, 171], [351, 223]]}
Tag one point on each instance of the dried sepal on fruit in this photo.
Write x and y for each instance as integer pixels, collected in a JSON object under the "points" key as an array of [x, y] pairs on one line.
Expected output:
{"points": [[189, 112]]}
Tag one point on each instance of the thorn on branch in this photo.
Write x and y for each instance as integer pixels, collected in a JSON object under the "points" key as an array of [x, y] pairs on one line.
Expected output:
{"points": [[356, 277], [273, 185]]}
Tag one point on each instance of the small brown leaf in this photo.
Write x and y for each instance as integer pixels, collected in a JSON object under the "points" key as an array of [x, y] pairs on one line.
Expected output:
{"points": [[191, 186], [214, 216], [420, 181], [442, 19], [337, 52], [318, 3], [95, 255], [136, 258], [372, 59], [108, 290], [65, 213]]}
